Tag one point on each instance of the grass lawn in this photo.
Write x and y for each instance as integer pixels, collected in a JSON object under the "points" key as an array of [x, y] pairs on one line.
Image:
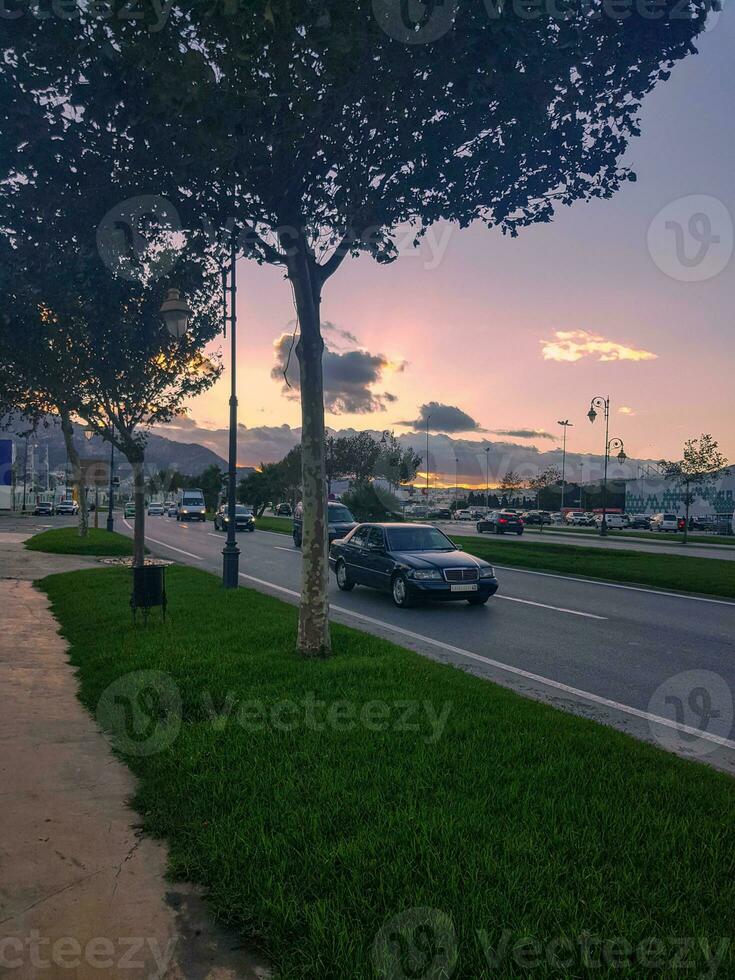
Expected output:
{"points": [[66, 541], [281, 524], [318, 800], [653, 537], [711, 576]]}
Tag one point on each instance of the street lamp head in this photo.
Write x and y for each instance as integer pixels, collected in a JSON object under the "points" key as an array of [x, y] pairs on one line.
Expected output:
{"points": [[621, 456], [592, 414], [175, 312], [88, 433]]}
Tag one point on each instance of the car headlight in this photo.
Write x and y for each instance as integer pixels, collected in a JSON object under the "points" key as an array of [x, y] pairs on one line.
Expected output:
{"points": [[487, 572], [184, 510], [425, 573]]}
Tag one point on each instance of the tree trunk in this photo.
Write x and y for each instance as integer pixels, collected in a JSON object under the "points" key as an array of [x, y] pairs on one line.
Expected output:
{"points": [[71, 451], [313, 635], [139, 496]]}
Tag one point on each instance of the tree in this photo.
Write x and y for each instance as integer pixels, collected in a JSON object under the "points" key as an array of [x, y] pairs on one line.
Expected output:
{"points": [[510, 485], [320, 129], [541, 482], [263, 487], [701, 465]]}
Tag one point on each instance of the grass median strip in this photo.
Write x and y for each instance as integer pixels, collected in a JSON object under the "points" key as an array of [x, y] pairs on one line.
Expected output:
{"points": [[318, 800], [66, 541], [680, 573]]}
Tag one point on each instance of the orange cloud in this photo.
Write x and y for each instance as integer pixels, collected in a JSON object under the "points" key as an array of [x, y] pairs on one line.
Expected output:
{"points": [[573, 345]]}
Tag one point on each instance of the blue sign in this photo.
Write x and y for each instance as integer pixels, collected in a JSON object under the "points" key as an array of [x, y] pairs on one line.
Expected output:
{"points": [[6, 462]]}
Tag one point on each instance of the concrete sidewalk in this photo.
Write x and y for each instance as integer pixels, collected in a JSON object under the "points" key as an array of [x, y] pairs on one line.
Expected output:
{"points": [[82, 893]]}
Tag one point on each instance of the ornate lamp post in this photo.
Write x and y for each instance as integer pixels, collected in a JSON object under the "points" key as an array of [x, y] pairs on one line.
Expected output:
{"points": [[88, 435], [487, 480], [428, 417], [110, 518], [610, 444]]}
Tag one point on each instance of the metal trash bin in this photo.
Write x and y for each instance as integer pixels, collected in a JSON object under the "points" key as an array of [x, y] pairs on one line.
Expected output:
{"points": [[149, 590]]}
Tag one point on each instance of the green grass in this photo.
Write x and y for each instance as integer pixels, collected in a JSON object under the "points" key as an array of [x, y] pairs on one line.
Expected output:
{"points": [[710, 576], [654, 537], [66, 541], [281, 524], [515, 817]]}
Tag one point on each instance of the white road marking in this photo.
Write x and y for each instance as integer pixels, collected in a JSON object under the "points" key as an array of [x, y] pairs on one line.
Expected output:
{"points": [[518, 671], [291, 551], [165, 545], [616, 585], [543, 605]]}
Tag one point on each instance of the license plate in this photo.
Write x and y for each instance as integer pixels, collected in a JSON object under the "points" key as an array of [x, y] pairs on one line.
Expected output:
{"points": [[469, 587]]}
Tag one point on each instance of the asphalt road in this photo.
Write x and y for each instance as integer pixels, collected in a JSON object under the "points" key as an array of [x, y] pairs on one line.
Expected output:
{"points": [[615, 542], [641, 660]]}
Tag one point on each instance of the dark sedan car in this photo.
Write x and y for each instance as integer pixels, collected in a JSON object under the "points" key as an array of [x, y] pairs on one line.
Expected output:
{"points": [[411, 561], [341, 522], [500, 521], [244, 520]]}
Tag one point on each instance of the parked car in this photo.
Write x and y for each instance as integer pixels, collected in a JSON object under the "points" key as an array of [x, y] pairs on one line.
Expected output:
{"points": [[577, 518], [70, 507], [340, 520], [462, 515], [129, 509], [557, 517], [411, 561], [44, 508], [664, 522], [190, 506], [703, 524], [614, 521], [283, 510], [536, 517], [244, 519], [155, 510], [440, 514], [500, 521], [639, 521]]}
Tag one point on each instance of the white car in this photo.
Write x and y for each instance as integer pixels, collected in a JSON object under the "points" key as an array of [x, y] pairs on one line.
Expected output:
{"points": [[664, 522], [577, 517], [155, 510], [612, 520], [462, 515]]}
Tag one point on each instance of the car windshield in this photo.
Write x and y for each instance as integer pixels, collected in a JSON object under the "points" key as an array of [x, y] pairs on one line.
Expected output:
{"points": [[241, 511], [340, 513], [193, 499], [418, 539]]}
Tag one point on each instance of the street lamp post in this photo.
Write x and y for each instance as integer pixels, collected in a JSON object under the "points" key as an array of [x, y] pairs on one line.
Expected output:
{"points": [[565, 425], [231, 552], [604, 403], [427, 465], [487, 480], [88, 435], [456, 480], [110, 518]]}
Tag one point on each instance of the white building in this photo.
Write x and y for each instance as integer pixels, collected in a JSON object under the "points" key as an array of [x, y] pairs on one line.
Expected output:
{"points": [[653, 495]]}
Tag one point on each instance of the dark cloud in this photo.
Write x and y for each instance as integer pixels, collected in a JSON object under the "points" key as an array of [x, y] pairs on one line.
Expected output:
{"points": [[443, 418], [350, 375], [524, 434]]}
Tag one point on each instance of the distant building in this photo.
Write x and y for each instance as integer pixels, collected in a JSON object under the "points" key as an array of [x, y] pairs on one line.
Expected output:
{"points": [[655, 494]]}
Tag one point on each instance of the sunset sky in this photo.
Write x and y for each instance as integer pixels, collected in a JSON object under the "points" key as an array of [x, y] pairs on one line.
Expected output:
{"points": [[617, 297]]}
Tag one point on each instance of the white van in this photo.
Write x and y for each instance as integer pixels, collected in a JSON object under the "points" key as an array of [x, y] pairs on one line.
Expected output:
{"points": [[190, 505], [616, 521], [664, 522]]}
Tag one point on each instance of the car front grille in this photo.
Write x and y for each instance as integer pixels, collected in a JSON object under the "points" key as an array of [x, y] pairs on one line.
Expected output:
{"points": [[460, 574]]}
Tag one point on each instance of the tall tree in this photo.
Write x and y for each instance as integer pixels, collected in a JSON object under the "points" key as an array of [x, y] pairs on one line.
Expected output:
{"points": [[321, 128], [701, 465]]}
